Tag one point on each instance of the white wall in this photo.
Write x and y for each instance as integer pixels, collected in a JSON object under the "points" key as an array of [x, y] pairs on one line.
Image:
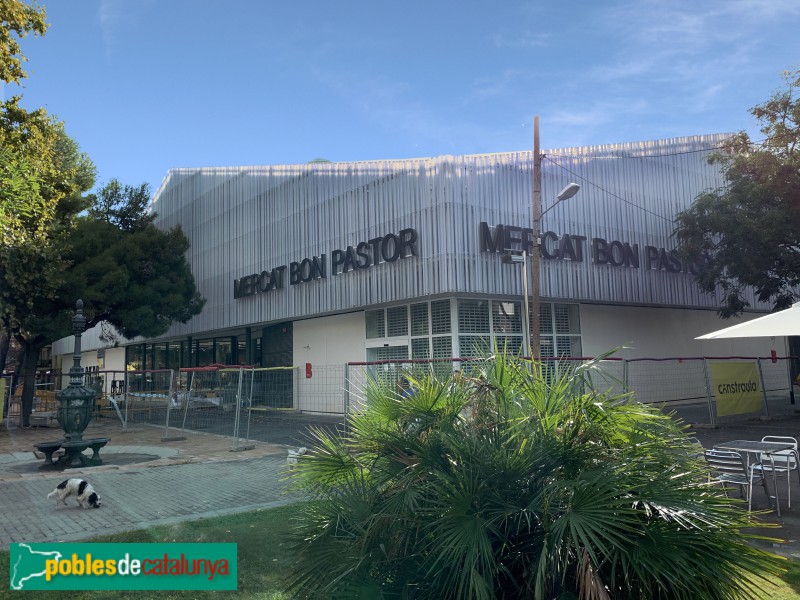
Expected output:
{"points": [[670, 333], [114, 361], [327, 344], [666, 333]]}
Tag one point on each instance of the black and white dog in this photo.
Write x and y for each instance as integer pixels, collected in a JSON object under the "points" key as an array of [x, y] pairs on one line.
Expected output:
{"points": [[81, 489]]}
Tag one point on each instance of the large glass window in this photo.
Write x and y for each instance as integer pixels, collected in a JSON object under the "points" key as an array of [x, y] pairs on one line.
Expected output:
{"points": [[159, 356], [241, 350], [134, 357], [205, 352], [224, 352], [173, 355]]}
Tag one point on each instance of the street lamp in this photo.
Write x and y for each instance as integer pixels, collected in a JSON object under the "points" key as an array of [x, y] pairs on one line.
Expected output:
{"points": [[565, 194], [511, 256]]}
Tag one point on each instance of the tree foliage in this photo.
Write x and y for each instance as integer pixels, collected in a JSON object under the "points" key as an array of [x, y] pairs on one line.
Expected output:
{"points": [[515, 483], [58, 244], [123, 206], [749, 231], [42, 176], [17, 20], [126, 271]]}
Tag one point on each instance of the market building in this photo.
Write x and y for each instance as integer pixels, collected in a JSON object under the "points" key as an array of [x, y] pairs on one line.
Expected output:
{"points": [[323, 264]]}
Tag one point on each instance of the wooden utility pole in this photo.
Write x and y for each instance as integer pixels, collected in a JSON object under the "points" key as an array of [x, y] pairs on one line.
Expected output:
{"points": [[536, 255]]}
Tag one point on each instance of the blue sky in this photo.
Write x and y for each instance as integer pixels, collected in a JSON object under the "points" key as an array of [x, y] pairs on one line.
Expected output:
{"points": [[147, 85]]}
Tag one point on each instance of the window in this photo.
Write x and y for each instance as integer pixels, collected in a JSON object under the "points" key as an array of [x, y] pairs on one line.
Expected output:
{"points": [[440, 317], [173, 355], [224, 352], [205, 352], [442, 347], [560, 329], [419, 319], [483, 327], [241, 350], [420, 347], [376, 324], [397, 321], [134, 357], [474, 346], [473, 316], [506, 317], [509, 344]]}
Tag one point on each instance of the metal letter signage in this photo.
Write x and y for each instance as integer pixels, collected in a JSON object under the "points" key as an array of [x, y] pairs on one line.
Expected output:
{"points": [[365, 254], [573, 248]]}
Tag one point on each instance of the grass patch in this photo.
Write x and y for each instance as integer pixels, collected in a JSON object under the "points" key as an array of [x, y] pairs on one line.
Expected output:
{"points": [[262, 555], [264, 558], [785, 588]]}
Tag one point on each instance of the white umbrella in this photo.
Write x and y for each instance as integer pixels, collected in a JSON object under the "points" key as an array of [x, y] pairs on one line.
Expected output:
{"points": [[782, 323]]}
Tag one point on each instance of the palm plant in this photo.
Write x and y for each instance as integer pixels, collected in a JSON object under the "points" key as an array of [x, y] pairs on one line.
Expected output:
{"points": [[514, 483]]}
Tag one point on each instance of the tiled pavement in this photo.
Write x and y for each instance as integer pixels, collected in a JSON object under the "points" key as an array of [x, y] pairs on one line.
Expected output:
{"points": [[144, 482], [148, 482]]}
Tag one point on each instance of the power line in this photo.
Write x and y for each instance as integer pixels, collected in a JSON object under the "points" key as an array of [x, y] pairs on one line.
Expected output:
{"points": [[602, 189]]}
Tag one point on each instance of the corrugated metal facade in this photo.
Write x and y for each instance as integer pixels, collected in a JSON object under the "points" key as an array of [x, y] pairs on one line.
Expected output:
{"points": [[246, 220]]}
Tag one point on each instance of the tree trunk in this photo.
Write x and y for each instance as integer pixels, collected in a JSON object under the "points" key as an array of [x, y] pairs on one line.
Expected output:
{"points": [[5, 344], [30, 358]]}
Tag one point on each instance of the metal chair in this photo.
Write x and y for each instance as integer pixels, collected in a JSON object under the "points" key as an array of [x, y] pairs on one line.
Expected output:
{"points": [[783, 462], [727, 466], [696, 448]]}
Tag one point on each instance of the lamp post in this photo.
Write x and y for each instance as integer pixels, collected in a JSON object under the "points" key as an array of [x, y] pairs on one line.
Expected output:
{"points": [[565, 194], [510, 256]]}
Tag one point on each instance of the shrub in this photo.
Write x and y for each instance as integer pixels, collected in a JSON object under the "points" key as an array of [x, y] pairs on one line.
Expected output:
{"points": [[517, 483]]}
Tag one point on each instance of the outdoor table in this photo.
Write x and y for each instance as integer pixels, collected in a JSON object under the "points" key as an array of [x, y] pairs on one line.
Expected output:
{"points": [[756, 447]]}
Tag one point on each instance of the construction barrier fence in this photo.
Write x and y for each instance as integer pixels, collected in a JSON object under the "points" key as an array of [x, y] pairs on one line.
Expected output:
{"points": [[695, 389], [281, 405]]}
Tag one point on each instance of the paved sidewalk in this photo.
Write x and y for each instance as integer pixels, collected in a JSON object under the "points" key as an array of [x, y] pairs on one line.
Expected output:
{"points": [[144, 482]]}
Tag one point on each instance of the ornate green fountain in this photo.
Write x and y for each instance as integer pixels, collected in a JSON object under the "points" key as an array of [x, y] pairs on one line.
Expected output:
{"points": [[75, 411]]}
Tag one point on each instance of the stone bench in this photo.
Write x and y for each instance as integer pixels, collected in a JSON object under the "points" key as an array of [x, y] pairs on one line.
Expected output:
{"points": [[73, 450], [95, 444], [49, 448]]}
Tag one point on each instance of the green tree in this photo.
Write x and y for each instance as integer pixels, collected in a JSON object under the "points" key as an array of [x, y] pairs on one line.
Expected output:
{"points": [[24, 211], [40, 167], [126, 271], [43, 170], [514, 483], [749, 231], [17, 20]]}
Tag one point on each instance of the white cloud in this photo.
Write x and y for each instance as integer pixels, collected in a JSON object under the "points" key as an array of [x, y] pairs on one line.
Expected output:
{"points": [[525, 39], [117, 16]]}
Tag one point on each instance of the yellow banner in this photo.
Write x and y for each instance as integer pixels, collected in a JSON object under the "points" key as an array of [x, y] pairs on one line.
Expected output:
{"points": [[737, 387]]}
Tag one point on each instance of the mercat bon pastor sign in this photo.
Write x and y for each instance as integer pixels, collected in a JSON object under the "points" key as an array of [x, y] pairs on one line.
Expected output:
{"points": [[392, 247], [580, 248], [363, 255]]}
